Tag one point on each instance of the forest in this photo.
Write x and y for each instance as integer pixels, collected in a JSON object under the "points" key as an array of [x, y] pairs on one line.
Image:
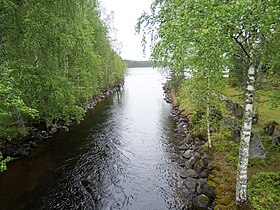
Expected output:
{"points": [[229, 53], [138, 64], [54, 57]]}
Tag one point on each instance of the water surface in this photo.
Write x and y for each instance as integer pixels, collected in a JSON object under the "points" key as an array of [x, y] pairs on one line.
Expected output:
{"points": [[122, 156]]}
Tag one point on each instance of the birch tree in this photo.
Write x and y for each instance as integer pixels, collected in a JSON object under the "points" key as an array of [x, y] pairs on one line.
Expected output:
{"points": [[203, 36], [56, 54]]}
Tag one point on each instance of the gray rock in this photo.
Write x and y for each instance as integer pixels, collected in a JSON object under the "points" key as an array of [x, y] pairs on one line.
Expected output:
{"points": [[33, 144], [236, 133], [191, 162], [204, 173], [25, 153], [54, 130], [205, 160], [255, 118], [201, 201], [270, 127], [203, 188], [189, 173], [183, 147], [256, 149], [191, 183], [276, 137], [188, 154], [199, 166], [237, 110]]}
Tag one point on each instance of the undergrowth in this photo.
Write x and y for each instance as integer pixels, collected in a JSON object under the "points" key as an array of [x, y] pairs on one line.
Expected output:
{"points": [[263, 190]]}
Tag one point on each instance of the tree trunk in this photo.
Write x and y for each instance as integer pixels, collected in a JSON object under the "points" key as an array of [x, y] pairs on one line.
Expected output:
{"points": [[241, 182], [208, 113]]}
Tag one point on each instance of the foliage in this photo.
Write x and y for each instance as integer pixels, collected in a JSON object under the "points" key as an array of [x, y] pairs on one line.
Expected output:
{"points": [[3, 163], [55, 56], [264, 190]]}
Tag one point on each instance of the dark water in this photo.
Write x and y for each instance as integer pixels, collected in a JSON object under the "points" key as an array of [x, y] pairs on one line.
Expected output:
{"points": [[122, 156]]}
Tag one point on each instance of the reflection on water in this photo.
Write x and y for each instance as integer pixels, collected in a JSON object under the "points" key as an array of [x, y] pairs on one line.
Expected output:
{"points": [[122, 156]]}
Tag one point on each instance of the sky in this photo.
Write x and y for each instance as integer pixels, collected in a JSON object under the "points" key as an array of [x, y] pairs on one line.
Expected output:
{"points": [[126, 13]]}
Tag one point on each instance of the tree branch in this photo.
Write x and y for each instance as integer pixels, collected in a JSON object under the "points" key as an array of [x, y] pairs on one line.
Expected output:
{"points": [[240, 44]]}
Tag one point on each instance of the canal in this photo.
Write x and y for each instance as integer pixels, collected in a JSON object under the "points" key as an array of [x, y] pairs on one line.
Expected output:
{"points": [[123, 155]]}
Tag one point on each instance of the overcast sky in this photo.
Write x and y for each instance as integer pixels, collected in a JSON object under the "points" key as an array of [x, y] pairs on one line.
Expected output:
{"points": [[126, 13]]}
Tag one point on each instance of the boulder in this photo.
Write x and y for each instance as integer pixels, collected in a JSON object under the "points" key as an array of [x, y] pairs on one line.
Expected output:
{"points": [[237, 110], [236, 133], [201, 201], [255, 118], [191, 183], [276, 137], [188, 154], [189, 173], [256, 149], [199, 166], [270, 127], [203, 188], [190, 162], [205, 173]]}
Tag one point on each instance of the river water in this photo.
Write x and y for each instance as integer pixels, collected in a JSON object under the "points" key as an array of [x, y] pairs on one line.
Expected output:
{"points": [[122, 156]]}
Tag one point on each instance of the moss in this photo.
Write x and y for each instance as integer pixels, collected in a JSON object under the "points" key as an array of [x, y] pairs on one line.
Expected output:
{"points": [[211, 183], [220, 207], [226, 200]]}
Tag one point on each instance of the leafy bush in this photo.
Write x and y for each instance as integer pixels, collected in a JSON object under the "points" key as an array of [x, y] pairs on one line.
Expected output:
{"points": [[3, 163], [264, 191]]}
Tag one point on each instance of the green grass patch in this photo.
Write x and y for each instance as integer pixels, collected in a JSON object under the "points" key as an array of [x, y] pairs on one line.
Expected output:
{"points": [[264, 190]]}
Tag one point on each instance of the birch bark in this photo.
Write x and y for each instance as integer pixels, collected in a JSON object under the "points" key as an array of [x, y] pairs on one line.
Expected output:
{"points": [[208, 113], [241, 182]]}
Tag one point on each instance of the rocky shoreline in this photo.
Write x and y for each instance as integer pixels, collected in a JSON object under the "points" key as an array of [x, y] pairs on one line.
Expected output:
{"points": [[22, 148], [194, 163]]}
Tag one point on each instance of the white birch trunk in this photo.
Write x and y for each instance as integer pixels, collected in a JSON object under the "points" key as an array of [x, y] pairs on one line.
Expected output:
{"points": [[208, 114], [241, 181]]}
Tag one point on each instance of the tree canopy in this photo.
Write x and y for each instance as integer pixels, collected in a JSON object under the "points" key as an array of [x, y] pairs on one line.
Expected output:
{"points": [[54, 56]]}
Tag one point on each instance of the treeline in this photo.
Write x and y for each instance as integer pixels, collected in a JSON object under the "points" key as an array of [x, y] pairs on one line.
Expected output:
{"points": [[206, 38], [54, 56], [138, 64]]}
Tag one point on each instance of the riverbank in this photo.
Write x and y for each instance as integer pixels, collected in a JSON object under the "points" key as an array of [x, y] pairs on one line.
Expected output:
{"points": [[195, 164], [264, 167], [18, 148]]}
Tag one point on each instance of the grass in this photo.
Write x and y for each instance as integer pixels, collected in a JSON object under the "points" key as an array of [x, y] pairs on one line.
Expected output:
{"points": [[225, 156], [262, 105]]}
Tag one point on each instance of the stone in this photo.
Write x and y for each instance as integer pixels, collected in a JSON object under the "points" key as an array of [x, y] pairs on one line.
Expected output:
{"points": [[183, 147], [256, 149], [205, 160], [255, 118], [199, 166], [33, 144], [230, 121], [203, 188], [270, 127], [201, 201], [189, 173], [188, 154], [25, 153], [201, 182], [237, 110], [190, 163], [191, 183], [204, 173], [236, 133], [197, 155], [276, 137], [54, 130]]}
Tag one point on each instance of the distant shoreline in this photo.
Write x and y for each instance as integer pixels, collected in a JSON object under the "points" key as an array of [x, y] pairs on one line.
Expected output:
{"points": [[137, 64]]}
